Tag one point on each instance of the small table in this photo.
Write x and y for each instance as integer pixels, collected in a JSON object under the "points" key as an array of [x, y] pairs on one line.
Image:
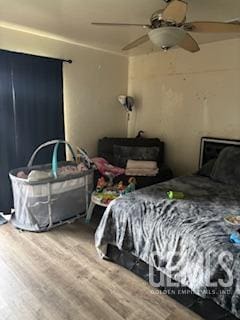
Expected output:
{"points": [[95, 201]]}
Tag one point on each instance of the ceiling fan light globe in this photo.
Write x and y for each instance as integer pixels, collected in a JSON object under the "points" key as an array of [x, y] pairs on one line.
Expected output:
{"points": [[166, 37]]}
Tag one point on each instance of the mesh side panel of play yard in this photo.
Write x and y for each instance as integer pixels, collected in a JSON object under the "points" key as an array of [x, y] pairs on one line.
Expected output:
{"points": [[42, 205]]}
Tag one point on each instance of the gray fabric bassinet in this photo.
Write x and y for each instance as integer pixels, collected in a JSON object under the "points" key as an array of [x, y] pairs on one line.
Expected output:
{"points": [[42, 205]]}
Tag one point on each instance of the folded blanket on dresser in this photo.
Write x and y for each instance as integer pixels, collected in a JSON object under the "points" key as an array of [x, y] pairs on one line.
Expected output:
{"points": [[141, 172], [141, 168], [140, 164]]}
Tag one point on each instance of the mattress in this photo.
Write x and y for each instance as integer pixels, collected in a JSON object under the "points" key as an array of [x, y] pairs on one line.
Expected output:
{"points": [[187, 239]]}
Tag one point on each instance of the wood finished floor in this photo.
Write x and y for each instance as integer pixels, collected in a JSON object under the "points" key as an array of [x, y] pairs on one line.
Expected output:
{"points": [[57, 275]]}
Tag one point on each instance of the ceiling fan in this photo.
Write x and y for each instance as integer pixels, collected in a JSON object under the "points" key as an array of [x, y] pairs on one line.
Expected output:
{"points": [[168, 28]]}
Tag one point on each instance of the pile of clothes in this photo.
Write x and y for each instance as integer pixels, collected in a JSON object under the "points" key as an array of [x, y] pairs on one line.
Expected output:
{"points": [[133, 168], [105, 168]]}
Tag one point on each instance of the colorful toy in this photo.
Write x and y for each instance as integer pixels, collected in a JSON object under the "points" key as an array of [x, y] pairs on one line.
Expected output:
{"points": [[132, 185], [110, 177], [101, 184], [108, 197], [106, 194], [120, 187]]}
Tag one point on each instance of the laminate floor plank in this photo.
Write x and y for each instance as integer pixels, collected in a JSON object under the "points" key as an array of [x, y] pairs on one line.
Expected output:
{"points": [[58, 275]]}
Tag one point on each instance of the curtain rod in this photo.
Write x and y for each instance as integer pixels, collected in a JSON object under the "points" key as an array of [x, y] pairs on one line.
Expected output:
{"points": [[30, 54]]}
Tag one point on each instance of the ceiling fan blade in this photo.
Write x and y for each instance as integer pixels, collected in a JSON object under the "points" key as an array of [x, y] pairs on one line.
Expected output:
{"points": [[175, 11], [189, 44], [136, 43], [212, 27], [105, 24]]}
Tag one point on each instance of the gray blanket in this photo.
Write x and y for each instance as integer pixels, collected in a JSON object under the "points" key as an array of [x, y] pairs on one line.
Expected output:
{"points": [[187, 240]]}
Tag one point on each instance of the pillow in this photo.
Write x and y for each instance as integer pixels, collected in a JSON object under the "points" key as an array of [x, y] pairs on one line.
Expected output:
{"points": [[227, 166], [206, 169], [122, 154]]}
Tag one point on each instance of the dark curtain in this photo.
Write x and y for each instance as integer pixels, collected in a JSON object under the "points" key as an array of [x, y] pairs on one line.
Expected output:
{"points": [[31, 112]]}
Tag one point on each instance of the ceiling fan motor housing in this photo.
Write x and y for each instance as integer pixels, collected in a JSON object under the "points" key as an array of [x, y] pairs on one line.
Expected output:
{"points": [[166, 37], [158, 21]]}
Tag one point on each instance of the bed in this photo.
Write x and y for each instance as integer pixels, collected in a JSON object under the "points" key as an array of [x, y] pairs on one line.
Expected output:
{"points": [[183, 240]]}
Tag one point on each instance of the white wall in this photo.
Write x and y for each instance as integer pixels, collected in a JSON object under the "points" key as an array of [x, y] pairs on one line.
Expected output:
{"points": [[182, 97], [91, 84]]}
